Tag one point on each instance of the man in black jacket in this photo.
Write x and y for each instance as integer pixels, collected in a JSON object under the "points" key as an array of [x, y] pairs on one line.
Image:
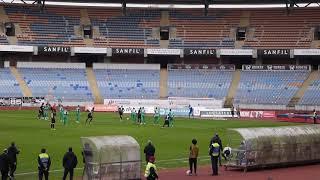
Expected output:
{"points": [[69, 163], [4, 164], [149, 150], [12, 153]]}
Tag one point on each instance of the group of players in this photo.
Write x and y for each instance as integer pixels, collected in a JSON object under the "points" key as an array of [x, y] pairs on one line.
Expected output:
{"points": [[46, 109], [138, 117]]}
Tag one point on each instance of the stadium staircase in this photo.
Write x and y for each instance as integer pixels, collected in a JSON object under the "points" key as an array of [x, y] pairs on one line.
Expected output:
{"points": [[94, 86], [23, 85], [244, 22], [232, 89], [299, 94], [164, 21], [85, 20], [163, 83], [3, 19]]}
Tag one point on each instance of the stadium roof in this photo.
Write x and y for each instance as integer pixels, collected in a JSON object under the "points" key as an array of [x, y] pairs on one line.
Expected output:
{"points": [[192, 1]]}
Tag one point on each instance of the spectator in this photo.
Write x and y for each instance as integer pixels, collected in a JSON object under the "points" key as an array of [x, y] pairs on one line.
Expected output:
{"points": [[193, 157], [4, 165], [149, 151], [70, 162], [12, 154]]}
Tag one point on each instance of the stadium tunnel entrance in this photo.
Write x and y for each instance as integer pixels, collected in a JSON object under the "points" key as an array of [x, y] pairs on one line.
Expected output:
{"points": [[164, 60], [90, 59], [237, 61]]}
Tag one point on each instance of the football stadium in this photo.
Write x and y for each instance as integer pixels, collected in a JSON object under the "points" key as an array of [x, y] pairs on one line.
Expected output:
{"points": [[153, 89]]}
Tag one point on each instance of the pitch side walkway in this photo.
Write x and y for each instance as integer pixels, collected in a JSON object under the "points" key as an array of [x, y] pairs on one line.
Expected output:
{"points": [[310, 172]]}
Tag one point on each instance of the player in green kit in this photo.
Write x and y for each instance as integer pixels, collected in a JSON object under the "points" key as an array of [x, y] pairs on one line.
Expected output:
{"points": [[61, 112], [78, 114], [171, 115], [156, 116], [134, 115], [143, 120], [65, 117]]}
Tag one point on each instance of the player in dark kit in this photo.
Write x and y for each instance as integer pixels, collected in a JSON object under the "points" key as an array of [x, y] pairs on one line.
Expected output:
{"points": [[139, 116], [166, 121], [120, 111], [53, 118], [90, 116], [41, 111]]}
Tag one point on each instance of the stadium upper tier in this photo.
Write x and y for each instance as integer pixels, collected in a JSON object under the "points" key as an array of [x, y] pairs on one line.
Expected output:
{"points": [[199, 83], [9, 86], [65, 84], [265, 28], [312, 95], [269, 87]]}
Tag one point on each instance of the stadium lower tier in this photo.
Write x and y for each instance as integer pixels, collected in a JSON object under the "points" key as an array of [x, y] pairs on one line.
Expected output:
{"points": [[254, 87]]}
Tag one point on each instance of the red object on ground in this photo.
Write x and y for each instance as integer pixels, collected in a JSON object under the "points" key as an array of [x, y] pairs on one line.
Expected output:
{"points": [[309, 172]]}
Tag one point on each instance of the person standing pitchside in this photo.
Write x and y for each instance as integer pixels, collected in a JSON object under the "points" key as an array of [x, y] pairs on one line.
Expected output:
{"points": [[12, 154], [193, 157], [70, 162], [44, 163], [149, 150]]}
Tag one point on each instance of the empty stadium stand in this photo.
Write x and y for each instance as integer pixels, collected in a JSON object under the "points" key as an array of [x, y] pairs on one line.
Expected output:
{"points": [[133, 30], [280, 30], [197, 31], [56, 26], [312, 94], [123, 81], [3, 39], [198, 83], [9, 87], [68, 84], [269, 87]]}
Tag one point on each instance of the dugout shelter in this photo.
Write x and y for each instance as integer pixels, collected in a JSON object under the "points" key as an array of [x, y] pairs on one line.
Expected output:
{"points": [[276, 146], [111, 157]]}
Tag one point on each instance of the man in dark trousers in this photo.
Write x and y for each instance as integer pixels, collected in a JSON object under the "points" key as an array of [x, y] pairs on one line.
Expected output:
{"points": [[4, 165], [214, 153], [12, 153], [120, 111], [139, 115], [70, 162], [44, 163], [166, 121], [90, 116], [149, 150], [315, 115], [217, 139]]}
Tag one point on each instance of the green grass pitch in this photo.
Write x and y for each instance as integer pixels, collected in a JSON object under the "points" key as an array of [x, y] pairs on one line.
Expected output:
{"points": [[171, 144]]}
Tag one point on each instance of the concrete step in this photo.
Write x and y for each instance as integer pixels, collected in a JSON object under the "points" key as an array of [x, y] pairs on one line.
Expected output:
{"points": [[94, 86], [23, 85], [299, 94], [233, 88], [163, 83]]}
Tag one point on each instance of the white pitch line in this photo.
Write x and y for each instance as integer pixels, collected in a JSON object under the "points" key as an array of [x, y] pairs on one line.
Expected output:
{"points": [[36, 172]]}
